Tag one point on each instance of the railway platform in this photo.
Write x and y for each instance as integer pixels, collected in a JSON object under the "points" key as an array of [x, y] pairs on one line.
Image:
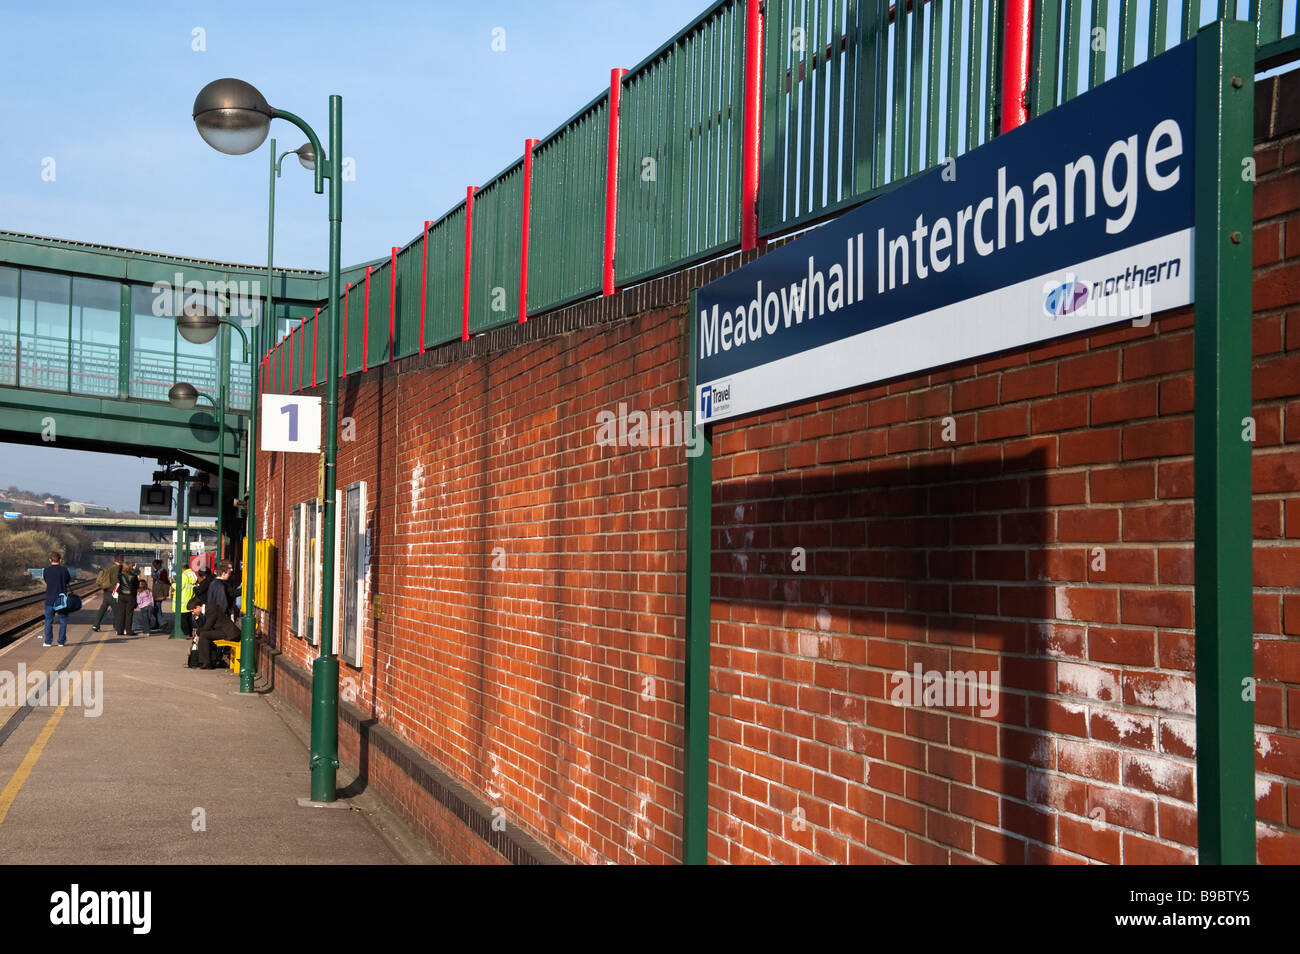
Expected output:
{"points": [[113, 752]]}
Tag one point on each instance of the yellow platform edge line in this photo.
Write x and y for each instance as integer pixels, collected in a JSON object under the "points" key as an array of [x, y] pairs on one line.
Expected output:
{"points": [[24, 770]]}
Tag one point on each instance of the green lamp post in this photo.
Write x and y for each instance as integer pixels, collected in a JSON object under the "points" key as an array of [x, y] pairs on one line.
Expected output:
{"points": [[234, 118], [247, 663]]}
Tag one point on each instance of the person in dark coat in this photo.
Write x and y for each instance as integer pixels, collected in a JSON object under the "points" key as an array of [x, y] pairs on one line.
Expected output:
{"points": [[216, 622], [128, 584], [57, 579], [108, 574]]}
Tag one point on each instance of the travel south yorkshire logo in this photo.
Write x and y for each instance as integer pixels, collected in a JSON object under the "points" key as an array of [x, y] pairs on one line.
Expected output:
{"points": [[715, 399]]}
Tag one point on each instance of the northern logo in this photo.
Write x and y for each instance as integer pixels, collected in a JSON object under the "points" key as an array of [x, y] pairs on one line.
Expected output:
{"points": [[1065, 299]]}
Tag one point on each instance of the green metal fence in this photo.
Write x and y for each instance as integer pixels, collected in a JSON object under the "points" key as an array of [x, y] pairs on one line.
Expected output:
{"points": [[861, 94], [680, 148], [377, 335], [567, 215], [407, 329], [494, 250], [444, 302], [1080, 44], [857, 96]]}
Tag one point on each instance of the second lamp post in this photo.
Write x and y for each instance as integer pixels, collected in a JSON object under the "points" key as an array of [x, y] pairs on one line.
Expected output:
{"points": [[234, 118]]}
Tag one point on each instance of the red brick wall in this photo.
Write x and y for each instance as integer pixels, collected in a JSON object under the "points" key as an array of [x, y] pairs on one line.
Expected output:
{"points": [[550, 683], [529, 581]]}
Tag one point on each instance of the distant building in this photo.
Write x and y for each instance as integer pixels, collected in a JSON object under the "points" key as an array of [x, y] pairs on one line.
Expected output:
{"points": [[85, 509]]}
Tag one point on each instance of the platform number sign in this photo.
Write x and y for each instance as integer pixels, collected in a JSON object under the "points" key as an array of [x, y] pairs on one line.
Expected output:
{"points": [[291, 423]]}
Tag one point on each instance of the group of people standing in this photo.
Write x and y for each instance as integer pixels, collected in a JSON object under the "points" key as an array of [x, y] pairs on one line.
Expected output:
{"points": [[206, 602], [125, 590]]}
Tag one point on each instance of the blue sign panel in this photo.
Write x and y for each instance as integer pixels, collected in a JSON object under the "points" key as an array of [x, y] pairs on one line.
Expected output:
{"points": [[1078, 219]]}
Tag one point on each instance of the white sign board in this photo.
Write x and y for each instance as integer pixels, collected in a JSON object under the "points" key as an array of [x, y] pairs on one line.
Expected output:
{"points": [[291, 423]]}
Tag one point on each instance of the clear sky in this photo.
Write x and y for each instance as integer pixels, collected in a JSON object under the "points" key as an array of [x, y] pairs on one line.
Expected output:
{"points": [[106, 91]]}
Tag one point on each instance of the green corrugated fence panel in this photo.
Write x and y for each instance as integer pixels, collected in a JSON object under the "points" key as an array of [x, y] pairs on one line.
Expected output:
{"points": [[378, 336], [302, 364], [680, 148], [407, 332], [494, 250], [354, 317], [446, 278], [567, 215], [322, 344]]}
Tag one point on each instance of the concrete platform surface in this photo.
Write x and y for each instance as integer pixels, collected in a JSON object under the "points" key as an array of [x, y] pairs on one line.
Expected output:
{"points": [[155, 763]]}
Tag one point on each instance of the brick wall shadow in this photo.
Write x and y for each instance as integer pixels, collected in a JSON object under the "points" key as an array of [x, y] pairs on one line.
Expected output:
{"points": [[830, 588]]}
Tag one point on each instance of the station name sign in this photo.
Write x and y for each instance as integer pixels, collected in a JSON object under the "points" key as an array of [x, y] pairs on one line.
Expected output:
{"points": [[1078, 219]]}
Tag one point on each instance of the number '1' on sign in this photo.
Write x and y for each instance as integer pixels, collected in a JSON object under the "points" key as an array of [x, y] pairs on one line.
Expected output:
{"points": [[291, 423]]}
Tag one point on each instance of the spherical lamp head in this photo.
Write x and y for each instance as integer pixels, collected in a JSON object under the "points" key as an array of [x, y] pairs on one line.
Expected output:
{"points": [[183, 396], [197, 324], [232, 116]]}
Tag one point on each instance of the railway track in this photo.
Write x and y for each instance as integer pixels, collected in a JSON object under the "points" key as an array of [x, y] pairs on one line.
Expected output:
{"points": [[15, 617]]}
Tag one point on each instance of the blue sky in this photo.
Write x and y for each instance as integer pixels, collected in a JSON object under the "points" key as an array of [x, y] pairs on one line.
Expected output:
{"points": [[428, 107]]}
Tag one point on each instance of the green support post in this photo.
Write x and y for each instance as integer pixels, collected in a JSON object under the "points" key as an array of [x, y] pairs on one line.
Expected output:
{"points": [[1225, 720], [123, 343], [221, 438], [248, 622], [178, 565], [325, 671], [699, 554], [183, 544]]}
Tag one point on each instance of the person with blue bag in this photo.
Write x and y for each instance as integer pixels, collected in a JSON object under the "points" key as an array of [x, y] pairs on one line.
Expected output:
{"points": [[57, 579]]}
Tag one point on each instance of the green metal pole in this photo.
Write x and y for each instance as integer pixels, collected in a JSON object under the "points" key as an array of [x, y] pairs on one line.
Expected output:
{"points": [[699, 552], [325, 671], [221, 435], [1225, 717], [248, 627], [177, 565], [183, 522]]}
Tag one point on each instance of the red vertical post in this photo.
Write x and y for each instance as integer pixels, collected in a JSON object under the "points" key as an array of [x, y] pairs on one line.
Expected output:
{"points": [[469, 238], [365, 324], [523, 229], [1016, 42], [392, 301], [315, 322], [288, 357], [611, 181], [753, 119], [424, 280]]}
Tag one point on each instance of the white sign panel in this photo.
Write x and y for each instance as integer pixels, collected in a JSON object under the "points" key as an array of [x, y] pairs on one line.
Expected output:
{"points": [[291, 423]]}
